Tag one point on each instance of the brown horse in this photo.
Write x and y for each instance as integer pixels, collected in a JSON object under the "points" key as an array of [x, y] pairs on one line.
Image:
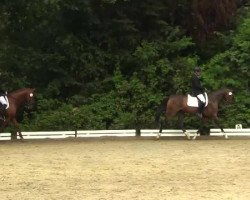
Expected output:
{"points": [[18, 98], [177, 104]]}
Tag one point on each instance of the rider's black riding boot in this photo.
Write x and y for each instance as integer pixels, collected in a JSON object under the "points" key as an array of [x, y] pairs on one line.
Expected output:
{"points": [[2, 111], [200, 108]]}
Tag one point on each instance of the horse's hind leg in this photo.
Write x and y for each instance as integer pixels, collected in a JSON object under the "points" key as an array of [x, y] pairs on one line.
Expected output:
{"points": [[162, 123], [181, 121], [168, 116]]}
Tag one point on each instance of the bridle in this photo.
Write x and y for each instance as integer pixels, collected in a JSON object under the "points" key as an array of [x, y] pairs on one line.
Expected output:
{"points": [[230, 97]]}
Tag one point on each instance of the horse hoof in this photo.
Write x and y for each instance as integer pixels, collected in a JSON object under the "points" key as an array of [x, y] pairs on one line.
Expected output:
{"points": [[225, 135]]}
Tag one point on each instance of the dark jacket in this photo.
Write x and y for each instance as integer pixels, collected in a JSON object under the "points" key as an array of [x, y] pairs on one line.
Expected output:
{"points": [[196, 86], [2, 92]]}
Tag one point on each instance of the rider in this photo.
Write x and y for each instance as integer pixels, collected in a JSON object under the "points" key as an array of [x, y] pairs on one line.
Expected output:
{"points": [[198, 90], [3, 103]]}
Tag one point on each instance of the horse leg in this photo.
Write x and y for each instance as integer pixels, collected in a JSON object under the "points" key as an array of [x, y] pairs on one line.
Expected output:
{"points": [[180, 121], [3, 125], [160, 130], [199, 129], [163, 122], [217, 122], [17, 128], [168, 115], [181, 124]]}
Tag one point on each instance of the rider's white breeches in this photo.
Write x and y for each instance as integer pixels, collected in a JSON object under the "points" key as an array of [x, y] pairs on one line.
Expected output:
{"points": [[3, 100], [201, 97]]}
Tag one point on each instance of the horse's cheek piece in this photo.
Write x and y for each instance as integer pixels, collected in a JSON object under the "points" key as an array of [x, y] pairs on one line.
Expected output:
{"points": [[31, 95]]}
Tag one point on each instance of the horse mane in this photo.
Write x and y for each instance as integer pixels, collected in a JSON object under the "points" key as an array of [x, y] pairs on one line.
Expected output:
{"points": [[219, 91], [216, 94], [20, 90]]}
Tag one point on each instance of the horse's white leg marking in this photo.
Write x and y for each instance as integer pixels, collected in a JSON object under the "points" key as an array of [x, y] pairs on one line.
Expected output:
{"points": [[187, 134], [158, 135], [195, 135]]}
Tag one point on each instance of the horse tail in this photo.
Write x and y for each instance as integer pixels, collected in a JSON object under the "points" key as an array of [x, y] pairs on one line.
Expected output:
{"points": [[160, 110]]}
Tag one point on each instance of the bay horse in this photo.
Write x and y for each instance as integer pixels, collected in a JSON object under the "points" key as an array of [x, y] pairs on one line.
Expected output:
{"points": [[16, 99], [177, 105]]}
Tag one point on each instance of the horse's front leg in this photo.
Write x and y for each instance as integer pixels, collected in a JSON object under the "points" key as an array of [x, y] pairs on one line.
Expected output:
{"points": [[217, 122], [17, 128], [199, 131]]}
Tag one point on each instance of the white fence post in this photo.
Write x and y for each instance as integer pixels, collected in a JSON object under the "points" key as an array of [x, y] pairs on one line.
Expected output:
{"points": [[238, 126]]}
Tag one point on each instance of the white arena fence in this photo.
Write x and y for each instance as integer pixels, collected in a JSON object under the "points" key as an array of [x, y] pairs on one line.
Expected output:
{"points": [[119, 133]]}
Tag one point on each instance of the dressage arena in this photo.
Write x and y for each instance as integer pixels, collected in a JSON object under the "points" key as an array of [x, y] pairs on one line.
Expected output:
{"points": [[126, 168]]}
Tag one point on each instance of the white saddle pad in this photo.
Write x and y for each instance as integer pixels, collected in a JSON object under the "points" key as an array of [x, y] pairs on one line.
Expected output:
{"points": [[4, 100], [193, 101]]}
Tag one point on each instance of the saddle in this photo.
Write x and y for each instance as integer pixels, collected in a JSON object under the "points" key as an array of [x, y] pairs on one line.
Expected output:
{"points": [[193, 101]]}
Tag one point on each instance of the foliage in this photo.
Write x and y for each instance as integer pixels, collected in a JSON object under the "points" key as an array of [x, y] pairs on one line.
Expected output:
{"points": [[100, 64], [231, 69]]}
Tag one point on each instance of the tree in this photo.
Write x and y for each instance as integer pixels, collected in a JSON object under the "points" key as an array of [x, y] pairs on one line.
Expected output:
{"points": [[231, 69]]}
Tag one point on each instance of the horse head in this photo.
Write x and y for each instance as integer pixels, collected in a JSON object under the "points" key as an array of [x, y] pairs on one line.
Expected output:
{"points": [[29, 101], [24, 97], [228, 95]]}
